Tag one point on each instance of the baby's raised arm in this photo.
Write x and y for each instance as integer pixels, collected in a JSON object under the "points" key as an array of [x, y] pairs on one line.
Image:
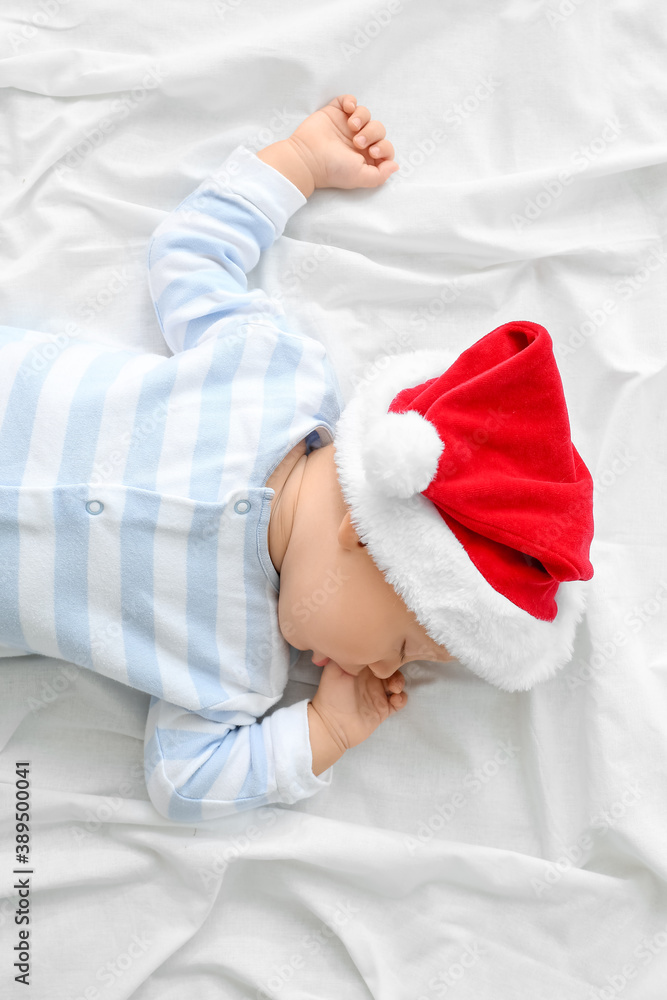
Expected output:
{"points": [[338, 146]]}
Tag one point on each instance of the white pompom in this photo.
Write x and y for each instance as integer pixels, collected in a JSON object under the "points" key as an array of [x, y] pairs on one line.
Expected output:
{"points": [[401, 453]]}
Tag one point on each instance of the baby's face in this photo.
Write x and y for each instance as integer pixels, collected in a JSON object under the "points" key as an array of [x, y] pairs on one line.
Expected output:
{"points": [[333, 598]]}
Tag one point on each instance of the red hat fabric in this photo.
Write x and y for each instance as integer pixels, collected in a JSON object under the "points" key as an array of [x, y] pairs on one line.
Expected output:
{"points": [[510, 484], [463, 482]]}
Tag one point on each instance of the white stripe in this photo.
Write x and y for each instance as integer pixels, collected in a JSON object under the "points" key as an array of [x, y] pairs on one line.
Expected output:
{"points": [[104, 550], [117, 420], [171, 266], [177, 324], [36, 569], [244, 434], [52, 413], [11, 358], [181, 427], [170, 566], [309, 388]]}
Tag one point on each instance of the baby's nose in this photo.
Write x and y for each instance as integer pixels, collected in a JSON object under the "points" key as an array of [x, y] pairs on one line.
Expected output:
{"points": [[381, 670]]}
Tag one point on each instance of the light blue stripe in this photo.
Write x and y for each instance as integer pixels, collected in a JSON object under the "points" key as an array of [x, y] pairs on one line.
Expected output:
{"points": [[19, 419], [251, 230], [246, 227], [137, 533], [333, 402], [185, 811], [71, 519], [256, 780], [197, 327], [145, 446], [11, 633], [152, 751], [184, 289], [247, 308], [202, 604], [210, 450], [186, 801], [12, 333], [70, 584], [85, 415]]}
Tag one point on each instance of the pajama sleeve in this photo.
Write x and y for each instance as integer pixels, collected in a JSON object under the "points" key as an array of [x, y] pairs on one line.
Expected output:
{"points": [[199, 255], [208, 764]]}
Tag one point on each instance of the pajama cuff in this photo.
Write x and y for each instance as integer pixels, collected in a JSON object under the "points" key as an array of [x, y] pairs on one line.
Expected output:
{"points": [[292, 755]]}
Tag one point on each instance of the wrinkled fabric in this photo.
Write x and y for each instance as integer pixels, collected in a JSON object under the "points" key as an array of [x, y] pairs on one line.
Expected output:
{"points": [[480, 845]]}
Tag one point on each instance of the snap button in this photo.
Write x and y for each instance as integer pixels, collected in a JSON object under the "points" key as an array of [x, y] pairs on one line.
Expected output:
{"points": [[94, 506], [242, 506]]}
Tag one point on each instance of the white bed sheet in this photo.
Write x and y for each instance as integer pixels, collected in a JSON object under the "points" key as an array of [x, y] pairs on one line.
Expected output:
{"points": [[481, 844]]}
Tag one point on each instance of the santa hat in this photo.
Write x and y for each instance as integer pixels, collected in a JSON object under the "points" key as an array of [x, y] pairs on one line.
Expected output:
{"points": [[463, 482]]}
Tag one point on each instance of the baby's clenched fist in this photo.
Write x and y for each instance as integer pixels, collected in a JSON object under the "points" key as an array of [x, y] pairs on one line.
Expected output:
{"points": [[343, 147]]}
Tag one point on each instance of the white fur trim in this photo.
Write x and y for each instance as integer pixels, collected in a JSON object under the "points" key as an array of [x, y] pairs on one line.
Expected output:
{"points": [[401, 453], [427, 565]]}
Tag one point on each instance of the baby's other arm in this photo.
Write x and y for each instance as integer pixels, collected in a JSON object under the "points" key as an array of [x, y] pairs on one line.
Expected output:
{"points": [[201, 252], [338, 146]]}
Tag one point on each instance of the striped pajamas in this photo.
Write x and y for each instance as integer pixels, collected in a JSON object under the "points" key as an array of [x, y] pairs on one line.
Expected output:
{"points": [[133, 511]]}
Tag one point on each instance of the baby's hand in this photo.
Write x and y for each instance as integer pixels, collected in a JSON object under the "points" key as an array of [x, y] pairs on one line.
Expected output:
{"points": [[341, 153], [353, 707]]}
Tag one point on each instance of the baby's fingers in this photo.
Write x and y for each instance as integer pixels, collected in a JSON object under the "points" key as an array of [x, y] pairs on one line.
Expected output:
{"points": [[398, 701], [382, 149], [396, 682], [373, 176]]}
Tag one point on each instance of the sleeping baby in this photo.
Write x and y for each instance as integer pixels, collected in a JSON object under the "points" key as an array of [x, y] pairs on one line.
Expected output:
{"points": [[187, 525]]}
